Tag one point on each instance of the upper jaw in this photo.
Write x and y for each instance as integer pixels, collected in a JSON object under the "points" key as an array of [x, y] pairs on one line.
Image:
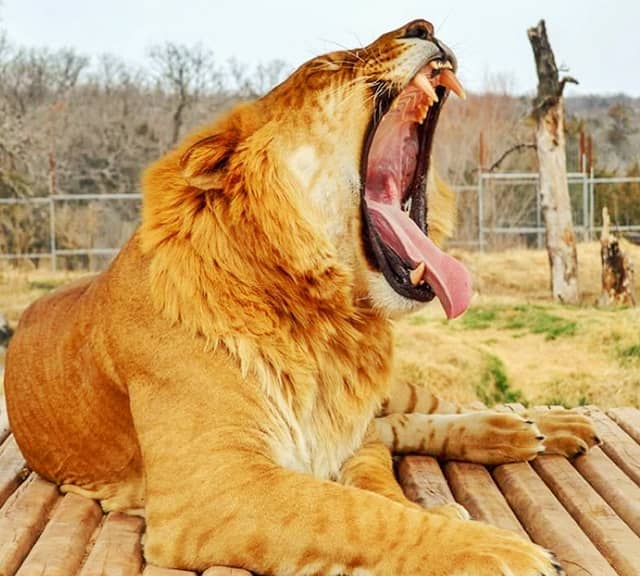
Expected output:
{"points": [[419, 54], [415, 107]]}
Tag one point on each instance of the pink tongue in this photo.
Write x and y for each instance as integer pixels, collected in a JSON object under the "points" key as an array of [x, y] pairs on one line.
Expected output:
{"points": [[449, 279]]}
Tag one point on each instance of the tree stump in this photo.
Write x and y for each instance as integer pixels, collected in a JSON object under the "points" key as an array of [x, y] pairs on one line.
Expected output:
{"points": [[617, 269]]}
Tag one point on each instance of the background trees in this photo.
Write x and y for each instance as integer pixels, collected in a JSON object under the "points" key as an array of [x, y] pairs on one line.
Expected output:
{"points": [[74, 125]]}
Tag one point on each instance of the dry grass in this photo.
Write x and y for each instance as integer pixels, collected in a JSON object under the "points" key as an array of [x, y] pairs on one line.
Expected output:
{"points": [[512, 344], [513, 336], [18, 288]]}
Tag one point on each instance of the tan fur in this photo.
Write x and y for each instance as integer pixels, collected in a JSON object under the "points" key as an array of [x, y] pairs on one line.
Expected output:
{"points": [[415, 420], [224, 372]]}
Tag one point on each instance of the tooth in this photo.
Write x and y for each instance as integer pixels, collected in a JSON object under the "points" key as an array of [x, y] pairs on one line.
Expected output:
{"points": [[447, 64], [416, 274], [423, 83], [448, 79]]}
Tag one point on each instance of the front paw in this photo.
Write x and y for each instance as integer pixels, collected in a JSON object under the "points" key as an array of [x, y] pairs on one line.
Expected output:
{"points": [[498, 438], [500, 553], [566, 432]]}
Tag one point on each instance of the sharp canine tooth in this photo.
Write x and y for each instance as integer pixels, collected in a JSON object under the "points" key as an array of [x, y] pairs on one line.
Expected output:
{"points": [[448, 79], [447, 64], [423, 82], [416, 274], [422, 114]]}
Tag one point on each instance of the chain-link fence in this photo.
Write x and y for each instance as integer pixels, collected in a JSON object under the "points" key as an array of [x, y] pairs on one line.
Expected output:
{"points": [[502, 210], [68, 231]]}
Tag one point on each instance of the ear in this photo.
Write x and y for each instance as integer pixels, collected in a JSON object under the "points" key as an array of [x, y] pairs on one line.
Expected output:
{"points": [[204, 163]]}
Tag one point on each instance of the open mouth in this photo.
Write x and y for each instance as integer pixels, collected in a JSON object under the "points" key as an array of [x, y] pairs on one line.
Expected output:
{"points": [[394, 168]]}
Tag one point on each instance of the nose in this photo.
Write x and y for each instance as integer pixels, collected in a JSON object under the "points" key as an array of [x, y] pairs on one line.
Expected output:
{"points": [[418, 29]]}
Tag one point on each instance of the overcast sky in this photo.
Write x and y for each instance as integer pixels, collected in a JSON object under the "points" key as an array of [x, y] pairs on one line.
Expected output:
{"points": [[598, 40]]}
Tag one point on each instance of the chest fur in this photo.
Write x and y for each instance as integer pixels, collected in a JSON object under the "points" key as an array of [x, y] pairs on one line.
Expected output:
{"points": [[321, 399]]}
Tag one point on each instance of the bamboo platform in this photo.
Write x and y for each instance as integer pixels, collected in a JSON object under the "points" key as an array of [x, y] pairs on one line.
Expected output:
{"points": [[586, 510]]}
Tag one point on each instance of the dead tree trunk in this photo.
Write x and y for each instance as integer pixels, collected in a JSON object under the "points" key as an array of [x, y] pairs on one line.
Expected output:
{"points": [[554, 189], [617, 270]]}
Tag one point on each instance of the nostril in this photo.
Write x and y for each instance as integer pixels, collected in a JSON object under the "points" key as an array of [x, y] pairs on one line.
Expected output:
{"points": [[419, 29]]}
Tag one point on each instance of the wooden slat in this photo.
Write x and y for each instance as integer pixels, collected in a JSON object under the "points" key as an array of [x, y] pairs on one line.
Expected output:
{"points": [[622, 494], [423, 481], [610, 472], [628, 419], [12, 468], [156, 571], [22, 519], [617, 444], [615, 540], [117, 550], [547, 522], [473, 487], [223, 571], [61, 547]]}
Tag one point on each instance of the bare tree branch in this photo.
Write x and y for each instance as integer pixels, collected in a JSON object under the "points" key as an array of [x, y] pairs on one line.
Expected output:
{"points": [[550, 87], [516, 148]]}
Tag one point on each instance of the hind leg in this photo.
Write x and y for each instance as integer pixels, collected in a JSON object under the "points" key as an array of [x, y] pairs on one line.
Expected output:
{"points": [[127, 497]]}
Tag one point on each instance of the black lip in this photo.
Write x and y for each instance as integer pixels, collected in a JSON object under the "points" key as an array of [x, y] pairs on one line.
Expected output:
{"points": [[395, 269]]}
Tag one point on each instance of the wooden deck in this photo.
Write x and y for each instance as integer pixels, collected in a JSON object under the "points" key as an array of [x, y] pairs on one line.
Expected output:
{"points": [[586, 510]]}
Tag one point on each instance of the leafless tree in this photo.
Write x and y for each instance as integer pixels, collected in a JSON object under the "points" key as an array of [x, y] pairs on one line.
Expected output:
{"points": [[253, 82], [186, 72], [554, 187], [31, 76]]}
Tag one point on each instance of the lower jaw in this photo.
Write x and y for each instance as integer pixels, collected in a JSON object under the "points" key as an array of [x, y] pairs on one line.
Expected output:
{"points": [[382, 297]]}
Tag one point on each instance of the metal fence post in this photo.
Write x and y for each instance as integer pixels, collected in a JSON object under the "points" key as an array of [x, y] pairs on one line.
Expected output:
{"points": [[592, 205], [586, 228], [538, 215], [480, 212], [52, 233]]}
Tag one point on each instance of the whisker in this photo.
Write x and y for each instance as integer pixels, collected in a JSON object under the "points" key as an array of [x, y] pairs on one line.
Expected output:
{"points": [[344, 48], [349, 89], [444, 21]]}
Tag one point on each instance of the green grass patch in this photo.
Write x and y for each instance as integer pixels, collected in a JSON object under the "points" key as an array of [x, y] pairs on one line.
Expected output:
{"points": [[494, 387], [526, 318], [538, 320], [479, 318], [630, 353]]}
